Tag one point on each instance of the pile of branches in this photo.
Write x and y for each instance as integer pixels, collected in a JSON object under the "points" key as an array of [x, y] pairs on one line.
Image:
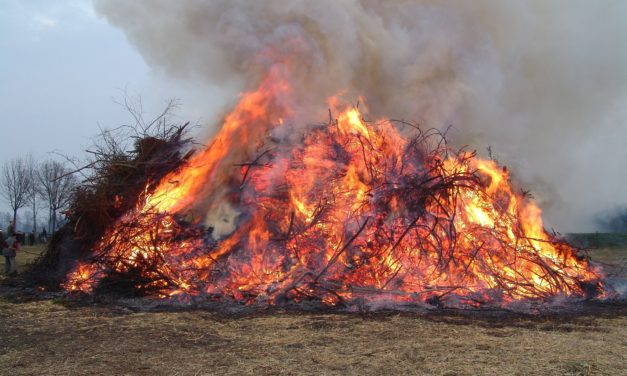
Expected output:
{"points": [[121, 164], [182, 257]]}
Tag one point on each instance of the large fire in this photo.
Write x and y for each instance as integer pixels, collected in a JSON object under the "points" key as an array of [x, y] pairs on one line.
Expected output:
{"points": [[352, 211]]}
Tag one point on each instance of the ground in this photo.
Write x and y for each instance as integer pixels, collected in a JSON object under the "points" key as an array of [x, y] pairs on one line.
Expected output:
{"points": [[59, 337], [25, 256]]}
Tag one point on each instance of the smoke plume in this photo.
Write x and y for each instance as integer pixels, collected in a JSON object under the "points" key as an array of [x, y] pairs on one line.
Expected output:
{"points": [[543, 83]]}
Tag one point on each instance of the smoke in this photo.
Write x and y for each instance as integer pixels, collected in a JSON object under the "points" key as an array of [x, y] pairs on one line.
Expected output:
{"points": [[614, 221], [543, 83]]}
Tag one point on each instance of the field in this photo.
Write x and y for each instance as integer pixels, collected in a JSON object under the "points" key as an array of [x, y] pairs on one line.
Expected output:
{"points": [[60, 337]]}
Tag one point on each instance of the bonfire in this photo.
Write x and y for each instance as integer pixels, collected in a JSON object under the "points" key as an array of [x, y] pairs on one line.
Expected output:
{"points": [[345, 212]]}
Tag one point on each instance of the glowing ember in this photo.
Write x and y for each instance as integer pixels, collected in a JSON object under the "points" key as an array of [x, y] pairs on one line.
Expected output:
{"points": [[353, 211]]}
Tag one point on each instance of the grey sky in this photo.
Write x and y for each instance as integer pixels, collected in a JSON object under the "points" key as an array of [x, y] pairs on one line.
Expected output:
{"points": [[61, 68]]}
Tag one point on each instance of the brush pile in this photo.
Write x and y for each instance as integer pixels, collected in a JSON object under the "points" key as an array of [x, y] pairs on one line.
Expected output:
{"points": [[125, 162], [353, 213]]}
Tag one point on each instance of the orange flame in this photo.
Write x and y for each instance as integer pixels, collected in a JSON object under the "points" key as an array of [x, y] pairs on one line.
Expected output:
{"points": [[355, 211]]}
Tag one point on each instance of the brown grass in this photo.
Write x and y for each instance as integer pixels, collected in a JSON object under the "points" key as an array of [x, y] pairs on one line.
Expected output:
{"points": [[53, 338], [27, 255], [46, 338]]}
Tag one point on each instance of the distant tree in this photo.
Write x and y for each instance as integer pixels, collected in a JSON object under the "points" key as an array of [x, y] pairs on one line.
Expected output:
{"points": [[56, 187], [35, 192], [15, 184]]}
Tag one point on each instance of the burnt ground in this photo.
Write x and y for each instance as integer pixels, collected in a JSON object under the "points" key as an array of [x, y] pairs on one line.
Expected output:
{"points": [[56, 336]]}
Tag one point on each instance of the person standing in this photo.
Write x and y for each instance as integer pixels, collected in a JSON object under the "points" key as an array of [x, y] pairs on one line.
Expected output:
{"points": [[3, 243], [9, 250]]}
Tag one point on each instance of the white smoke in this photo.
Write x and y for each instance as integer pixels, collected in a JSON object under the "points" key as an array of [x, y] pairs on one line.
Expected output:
{"points": [[544, 83]]}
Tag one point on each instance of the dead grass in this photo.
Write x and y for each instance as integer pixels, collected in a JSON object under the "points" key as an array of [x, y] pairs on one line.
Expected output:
{"points": [[47, 338], [53, 338], [23, 259], [27, 255]]}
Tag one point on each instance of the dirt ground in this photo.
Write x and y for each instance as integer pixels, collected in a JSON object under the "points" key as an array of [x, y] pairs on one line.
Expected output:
{"points": [[57, 337]]}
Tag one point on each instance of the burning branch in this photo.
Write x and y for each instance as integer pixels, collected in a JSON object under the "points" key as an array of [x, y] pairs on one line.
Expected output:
{"points": [[355, 212]]}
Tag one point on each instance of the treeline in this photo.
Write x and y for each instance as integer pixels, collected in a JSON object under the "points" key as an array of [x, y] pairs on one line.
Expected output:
{"points": [[36, 186]]}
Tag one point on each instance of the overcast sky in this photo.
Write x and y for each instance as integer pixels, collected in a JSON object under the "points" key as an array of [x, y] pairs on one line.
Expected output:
{"points": [[61, 68]]}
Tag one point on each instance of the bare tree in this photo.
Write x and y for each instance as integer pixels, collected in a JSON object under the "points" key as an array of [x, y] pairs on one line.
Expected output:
{"points": [[56, 186], [15, 184], [35, 191]]}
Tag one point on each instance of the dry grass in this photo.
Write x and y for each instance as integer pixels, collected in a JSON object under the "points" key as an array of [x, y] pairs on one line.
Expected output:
{"points": [[25, 256], [47, 338], [54, 338]]}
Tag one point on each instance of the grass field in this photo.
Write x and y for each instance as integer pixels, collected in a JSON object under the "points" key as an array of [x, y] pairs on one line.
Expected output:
{"points": [[57, 337], [27, 255]]}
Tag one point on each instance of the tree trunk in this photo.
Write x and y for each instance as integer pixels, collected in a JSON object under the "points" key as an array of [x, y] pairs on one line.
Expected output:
{"points": [[54, 220], [14, 220], [34, 218]]}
